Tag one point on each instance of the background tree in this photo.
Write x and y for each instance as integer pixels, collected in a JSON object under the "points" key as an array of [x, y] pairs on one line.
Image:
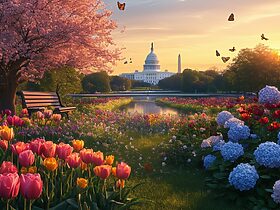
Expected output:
{"points": [[171, 83], [119, 83], [36, 35], [96, 82]]}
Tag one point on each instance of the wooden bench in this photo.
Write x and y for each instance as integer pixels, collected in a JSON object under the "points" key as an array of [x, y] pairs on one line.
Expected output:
{"points": [[38, 101]]}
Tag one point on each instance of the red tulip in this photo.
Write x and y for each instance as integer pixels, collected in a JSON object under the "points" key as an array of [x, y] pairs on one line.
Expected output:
{"points": [[102, 171], [63, 150], [26, 158], [98, 158], [8, 167], [123, 170], [74, 160], [9, 185], [18, 147], [264, 120], [4, 144], [48, 149], [31, 186], [36, 145], [15, 121], [87, 155]]}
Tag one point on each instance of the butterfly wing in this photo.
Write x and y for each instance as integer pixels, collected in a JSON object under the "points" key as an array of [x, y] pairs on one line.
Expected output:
{"points": [[217, 53], [225, 59], [125, 62], [121, 6], [231, 17]]}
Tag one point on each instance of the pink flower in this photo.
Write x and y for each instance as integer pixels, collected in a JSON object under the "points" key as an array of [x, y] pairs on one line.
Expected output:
{"points": [[36, 145], [26, 158], [4, 145], [31, 186], [74, 160], [86, 155], [9, 185], [18, 147], [15, 121], [8, 167], [39, 115], [123, 170], [102, 171], [98, 158], [48, 149], [63, 150]]}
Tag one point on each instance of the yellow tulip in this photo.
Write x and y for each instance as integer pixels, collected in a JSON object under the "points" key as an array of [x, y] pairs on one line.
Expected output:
{"points": [[82, 183], [50, 163], [78, 145], [32, 169], [114, 171], [109, 159], [7, 133]]}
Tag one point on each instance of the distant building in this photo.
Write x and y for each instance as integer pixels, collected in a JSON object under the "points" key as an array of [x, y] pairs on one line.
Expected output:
{"points": [[151, 73]]}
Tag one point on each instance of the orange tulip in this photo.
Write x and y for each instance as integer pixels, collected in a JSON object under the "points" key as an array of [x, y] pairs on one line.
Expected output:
{"points": [[82, 183], [50, 163], [23, 170], [83, 166], [78, 145], [7, 133], [32, 169], [98, 158], [120, 183], [109, 159], [114, 171], [102, 171]]}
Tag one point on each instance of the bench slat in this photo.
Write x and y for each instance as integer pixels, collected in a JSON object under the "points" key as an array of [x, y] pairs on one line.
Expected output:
{"points": [[27, 97], [25, 93], [42, 104], [42, 101]]}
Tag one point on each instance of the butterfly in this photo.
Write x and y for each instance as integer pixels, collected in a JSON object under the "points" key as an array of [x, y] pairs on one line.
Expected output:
{"points": [[130, 60], [217, 53], [231, 17], [263, 37], [125, 62], [225, 59], [232, 50], [121, 6]]}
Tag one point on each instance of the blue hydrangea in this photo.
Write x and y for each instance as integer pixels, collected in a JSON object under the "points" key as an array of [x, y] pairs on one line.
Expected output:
{"points": [[208, 161], [268, 154], [276, 192], [222, 117], [238, 132], [269, 94], [218, 146], [231, 151], [243, 177], [233, 122]]}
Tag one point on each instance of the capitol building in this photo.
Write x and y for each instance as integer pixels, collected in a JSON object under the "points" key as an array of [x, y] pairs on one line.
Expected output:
{"points": [[151, 73]]}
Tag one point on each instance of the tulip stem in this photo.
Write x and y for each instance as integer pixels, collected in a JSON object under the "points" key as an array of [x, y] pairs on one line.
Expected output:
{"points": [[30, 205], [25, 204], [7, 205]]}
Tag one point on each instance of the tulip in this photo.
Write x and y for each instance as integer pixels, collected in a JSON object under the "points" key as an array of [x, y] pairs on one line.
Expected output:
{"points": [[15, 121], [78, 145], [102, 171], [84, 166], [39, 115], [32, 169], [82, 183], [123, 170], [120, 183], [36, 145], [56, 117], [97, 158], [7, 112], [109, 160], [48, 149], [9, 185], [74, 160], [24, 112], [50, 163], [19, 147], [4, 145], [8, 167], [87, 155], [63, 150], [26, 158], [23, 170], [31, 186], [114, 171], [48, 113], [7, 133]]}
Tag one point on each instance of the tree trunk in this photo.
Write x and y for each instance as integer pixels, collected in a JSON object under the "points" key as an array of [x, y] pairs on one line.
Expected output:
{"points": [[8, 93]]}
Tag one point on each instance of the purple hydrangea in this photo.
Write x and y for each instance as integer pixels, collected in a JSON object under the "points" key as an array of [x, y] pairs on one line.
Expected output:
{"points": [[233, 122], [208, 161], [269, 94], [238, 132], [231, 151], [276, 192], [278, 137], [268, 154], [211, 141], [243, 177], [222, 117]]}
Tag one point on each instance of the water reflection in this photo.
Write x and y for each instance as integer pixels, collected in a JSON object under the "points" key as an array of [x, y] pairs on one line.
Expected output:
{"points": [[147, 107]]}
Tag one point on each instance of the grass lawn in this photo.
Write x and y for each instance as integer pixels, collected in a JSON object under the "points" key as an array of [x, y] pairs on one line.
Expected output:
{"points": [[169, 187]]}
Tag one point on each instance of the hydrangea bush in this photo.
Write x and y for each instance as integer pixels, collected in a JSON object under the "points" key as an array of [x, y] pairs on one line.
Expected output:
{"points": [[268, 154], [231, 151]]}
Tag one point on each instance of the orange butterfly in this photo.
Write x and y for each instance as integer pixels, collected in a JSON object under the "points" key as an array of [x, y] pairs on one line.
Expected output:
{"points": [[121, 6], [225, 59], [231, 17]]}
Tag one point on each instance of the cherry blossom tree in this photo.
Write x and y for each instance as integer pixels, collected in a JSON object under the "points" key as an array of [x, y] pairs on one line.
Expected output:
{"points": [[37, 35]]}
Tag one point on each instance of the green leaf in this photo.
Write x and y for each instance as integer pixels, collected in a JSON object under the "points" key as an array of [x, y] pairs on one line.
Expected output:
{"points": [[72, 202], [265, 177]]}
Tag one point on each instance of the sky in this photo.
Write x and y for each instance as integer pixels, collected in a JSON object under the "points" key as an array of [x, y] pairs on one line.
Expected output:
{"points": [[193, 28]]}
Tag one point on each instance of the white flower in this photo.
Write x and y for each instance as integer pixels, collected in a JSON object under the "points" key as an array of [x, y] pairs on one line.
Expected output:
{"points": [[163, 164], [185, 147], [174, 137], [189, 160]]}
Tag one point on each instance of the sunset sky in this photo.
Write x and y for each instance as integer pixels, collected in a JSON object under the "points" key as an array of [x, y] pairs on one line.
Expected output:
{"points": [[193, 28]]}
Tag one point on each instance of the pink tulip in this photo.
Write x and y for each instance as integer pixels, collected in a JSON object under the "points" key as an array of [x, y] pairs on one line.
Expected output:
{"points": [[74, 160], [9, 185], [98, 158], [48, 113], [8, 167], [102, 171], [15, 121], [86, 155], [63, 150], [18, 147], [26, 158], [7, 112], [4, 145], [39, 115], [48, 149], [31, 186], [123, 170], [36, 145]]}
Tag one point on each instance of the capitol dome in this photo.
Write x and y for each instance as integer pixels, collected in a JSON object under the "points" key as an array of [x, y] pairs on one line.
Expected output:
{"points": [[152, 62]]}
